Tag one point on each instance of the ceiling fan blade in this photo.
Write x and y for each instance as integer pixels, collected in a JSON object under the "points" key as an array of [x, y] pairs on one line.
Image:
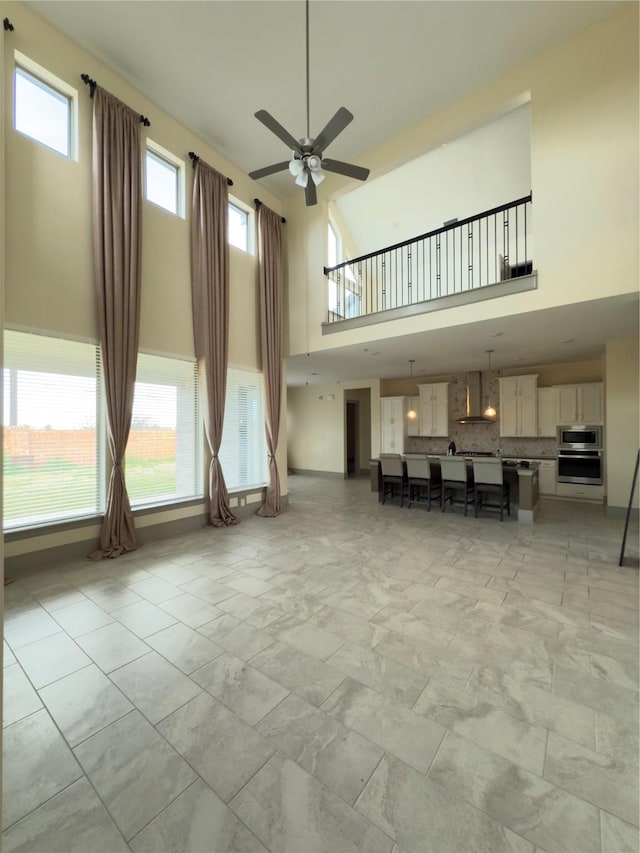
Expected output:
{"points": [[275, 127], [310, 195], [348, 169], [269, 170], [335, 126]]}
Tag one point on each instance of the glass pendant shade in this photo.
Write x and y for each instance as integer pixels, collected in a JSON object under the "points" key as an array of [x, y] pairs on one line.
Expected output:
{"points": [[412, 414], [490, 412]]}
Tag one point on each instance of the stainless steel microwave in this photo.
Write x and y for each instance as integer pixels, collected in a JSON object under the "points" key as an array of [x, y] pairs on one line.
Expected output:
{"points": [[580, 437]]}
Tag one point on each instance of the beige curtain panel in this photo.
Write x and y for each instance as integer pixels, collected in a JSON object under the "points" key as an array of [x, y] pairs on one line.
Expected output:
{"points": [[117, 231], [270, 279], [210, 304]]}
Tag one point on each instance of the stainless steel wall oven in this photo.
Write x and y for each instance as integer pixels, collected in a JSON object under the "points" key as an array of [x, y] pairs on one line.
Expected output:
{"points": [[580, 466], [580, 454]]}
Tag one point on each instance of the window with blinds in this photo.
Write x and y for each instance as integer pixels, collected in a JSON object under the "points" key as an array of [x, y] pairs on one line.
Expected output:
{"points": [[163, 461], [53, 435], [243, 452]]}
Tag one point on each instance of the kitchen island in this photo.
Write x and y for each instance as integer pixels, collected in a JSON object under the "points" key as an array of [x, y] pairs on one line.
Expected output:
{"points": [[523, 484]]}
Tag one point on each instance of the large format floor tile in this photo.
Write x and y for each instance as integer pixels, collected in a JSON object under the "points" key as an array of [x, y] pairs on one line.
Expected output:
{"points": [[289, 810], [37, 764], [134, 770], [347, 676], [73, 821], [223, 749]]}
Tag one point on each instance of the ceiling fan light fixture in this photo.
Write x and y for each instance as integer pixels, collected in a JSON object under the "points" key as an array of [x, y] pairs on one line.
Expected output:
{"points": [[307, 152], [296, 166]]}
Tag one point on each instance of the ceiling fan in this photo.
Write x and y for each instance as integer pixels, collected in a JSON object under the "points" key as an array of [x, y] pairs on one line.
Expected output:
{"points": [[307, 160]]}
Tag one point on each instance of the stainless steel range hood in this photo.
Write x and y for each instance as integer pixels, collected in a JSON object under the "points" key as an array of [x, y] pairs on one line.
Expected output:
{"points": [[474, 402]]}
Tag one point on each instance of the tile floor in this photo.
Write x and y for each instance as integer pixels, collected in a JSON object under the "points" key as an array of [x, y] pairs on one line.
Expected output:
{"points": [[348, 676]]}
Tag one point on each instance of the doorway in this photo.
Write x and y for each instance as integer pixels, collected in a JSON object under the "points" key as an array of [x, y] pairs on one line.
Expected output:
{"points": [[352, 445]]}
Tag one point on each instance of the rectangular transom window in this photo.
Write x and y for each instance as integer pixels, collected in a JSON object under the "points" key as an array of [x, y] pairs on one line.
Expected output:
{"points": [[238, 227], [164, 179], [53, 437], [43, 106], [243, 452], [163, 462]]}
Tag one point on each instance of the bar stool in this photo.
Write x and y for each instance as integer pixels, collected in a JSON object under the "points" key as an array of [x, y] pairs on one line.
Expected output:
{"points": [[455, 479], [393, 475], [488, 479], [420, 479]]}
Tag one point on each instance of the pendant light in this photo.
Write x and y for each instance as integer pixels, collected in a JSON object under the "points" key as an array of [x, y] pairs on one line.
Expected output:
{"points": [[489, 412], [412, 414]]}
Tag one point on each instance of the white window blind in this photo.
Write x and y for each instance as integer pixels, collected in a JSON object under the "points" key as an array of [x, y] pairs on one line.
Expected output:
{"points": [[243, 452], [53, 439], [163, 461]]}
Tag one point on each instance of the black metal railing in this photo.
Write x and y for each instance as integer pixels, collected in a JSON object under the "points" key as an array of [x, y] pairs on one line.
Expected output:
{"points": [[459, 257]]}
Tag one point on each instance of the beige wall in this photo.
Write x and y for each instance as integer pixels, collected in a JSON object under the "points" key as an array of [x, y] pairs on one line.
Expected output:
{"points": [[49, 284], [316, 425], [622, 437], [584, 168]]}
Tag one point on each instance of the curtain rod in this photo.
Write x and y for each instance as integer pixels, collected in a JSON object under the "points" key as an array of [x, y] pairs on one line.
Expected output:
{"points": [[92, 88], [7, 25], [257, 203], [194, 159]]}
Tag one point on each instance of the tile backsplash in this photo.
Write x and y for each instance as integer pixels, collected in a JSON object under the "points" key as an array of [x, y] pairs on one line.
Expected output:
{"points": [[479, 437]]}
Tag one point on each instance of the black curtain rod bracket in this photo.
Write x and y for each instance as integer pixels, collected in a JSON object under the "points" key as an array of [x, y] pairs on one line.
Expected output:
{"points": [[257, 203], [88, 81], [194, 159], [8, 26]]}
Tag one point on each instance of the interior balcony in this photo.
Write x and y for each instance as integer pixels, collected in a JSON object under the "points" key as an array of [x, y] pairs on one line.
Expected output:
{"points": [[485, 256]]}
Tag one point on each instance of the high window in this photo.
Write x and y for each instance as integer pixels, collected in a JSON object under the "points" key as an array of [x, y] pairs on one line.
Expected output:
{"points": [[239, 227], [164, 179], [343, 297], [53, 436], [243, 452], [163, 461], [44, 106]]}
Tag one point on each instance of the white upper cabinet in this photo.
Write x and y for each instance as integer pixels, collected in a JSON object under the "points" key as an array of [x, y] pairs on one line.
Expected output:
{"points": [[434, 409], [579, 404], [547, 412], [393, 424], [519, 405]]}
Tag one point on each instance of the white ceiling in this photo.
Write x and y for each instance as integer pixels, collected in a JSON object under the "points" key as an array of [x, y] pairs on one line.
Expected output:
{"points": [[213, 64]]}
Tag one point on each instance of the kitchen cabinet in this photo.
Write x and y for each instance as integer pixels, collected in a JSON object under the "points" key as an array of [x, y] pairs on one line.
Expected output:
{"points": [[393, 424], [547, 412], [434, 409], [580, 492], [579, 404], [518, 405], [547, 477]]}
